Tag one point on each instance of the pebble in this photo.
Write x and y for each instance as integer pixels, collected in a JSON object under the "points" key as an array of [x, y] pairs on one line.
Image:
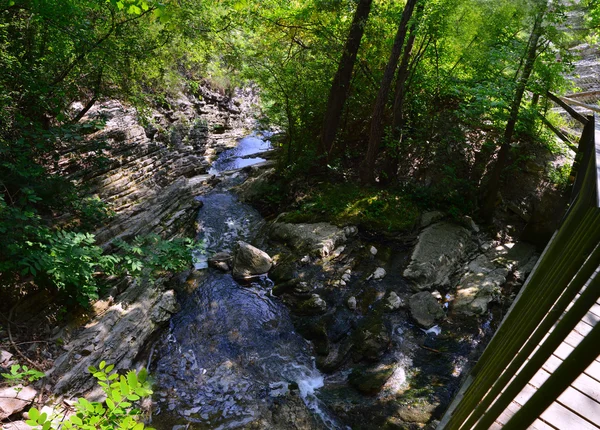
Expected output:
{"points": [[379, 273], [373, 250], [352, 303]]}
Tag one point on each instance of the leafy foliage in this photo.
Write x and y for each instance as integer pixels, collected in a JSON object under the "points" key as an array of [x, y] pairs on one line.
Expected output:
{"points": [[118, 411], [19, 374], [370, 208], [150, 255]]}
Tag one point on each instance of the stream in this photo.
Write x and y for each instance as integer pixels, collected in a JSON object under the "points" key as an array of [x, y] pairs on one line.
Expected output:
{"points": [[232, 350]]}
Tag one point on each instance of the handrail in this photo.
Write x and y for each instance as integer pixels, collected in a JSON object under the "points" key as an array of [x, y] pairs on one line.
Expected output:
{"points": [[568, 265], [579, 117]]}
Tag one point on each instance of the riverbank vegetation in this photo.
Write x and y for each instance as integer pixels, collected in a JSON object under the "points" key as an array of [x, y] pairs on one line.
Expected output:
{"points": [[390, 105]]}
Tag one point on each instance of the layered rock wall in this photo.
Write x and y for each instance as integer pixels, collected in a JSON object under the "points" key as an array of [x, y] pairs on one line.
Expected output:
{"points": [[150, 173]]}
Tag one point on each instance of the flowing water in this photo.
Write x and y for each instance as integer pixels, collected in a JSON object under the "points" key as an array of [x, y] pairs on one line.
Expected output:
{"points": [[231, 351]]}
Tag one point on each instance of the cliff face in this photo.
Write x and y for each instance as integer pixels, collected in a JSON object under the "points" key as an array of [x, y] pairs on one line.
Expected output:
{"points": [[151, 173]]}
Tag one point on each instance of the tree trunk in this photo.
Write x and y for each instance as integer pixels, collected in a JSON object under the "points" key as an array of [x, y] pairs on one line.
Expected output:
{"points": [[489, 202], [404, 70], [376, 132], [341, 82]]}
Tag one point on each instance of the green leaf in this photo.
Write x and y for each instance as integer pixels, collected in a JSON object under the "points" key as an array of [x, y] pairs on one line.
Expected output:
{"points": [[76, 420], [102, 364], [110, 404], [124, 386], [34, 413], [116, 395], [143, 375], [132, 379]]}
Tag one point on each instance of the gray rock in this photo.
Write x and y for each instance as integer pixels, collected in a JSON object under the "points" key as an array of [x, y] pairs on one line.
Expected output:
{"points": [[250, 261], [351, 303], [393, 302], [253, 187], [315, 305], [372, 338], [319, 239], [116, 336], [221, 261], [15, 399], [370, 380], [511, 255], [379, 273], [428, 218], [336, 356], [476, 290], [440, 249], [425, 309], [486, 274]]}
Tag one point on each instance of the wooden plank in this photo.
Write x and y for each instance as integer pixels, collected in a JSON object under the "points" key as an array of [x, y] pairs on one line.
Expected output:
{"points": [[596, 158], [587, 323], [552, 363], [562, 418], [594, 370], [578, 103], [595, 310], [508, 413], [540, 425], [580, 404], [588, 385], [558, 132], [574, 338], [525, 394], [583, 94], [582, 119], [563, 351]]}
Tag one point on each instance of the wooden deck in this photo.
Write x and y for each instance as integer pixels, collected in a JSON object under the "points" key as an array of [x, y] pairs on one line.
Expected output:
{"points": [[577, 408]]}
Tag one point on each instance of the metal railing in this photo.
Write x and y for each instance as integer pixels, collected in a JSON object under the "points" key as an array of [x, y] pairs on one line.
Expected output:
{"points": [[538, 321]]}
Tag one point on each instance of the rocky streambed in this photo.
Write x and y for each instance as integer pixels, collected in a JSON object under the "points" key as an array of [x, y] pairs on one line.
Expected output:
{"points": [[341, 331], [329, 329]]}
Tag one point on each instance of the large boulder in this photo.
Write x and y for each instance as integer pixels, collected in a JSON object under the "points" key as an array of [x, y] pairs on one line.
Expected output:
{"points": [[370, 380], [425, 309], [477, 288], [372, 338], [440, 249], [318, 239], [488, 272], [250, 261]]}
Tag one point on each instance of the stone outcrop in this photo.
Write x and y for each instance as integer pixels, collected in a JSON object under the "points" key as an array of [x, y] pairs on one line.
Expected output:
{"points": [[440, 250], [318, 239], [115, 336], [151, 174]]}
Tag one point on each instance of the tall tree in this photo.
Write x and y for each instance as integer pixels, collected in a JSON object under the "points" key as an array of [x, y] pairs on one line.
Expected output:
{"points": [[341, 81], [377, 126], [493, 184]]}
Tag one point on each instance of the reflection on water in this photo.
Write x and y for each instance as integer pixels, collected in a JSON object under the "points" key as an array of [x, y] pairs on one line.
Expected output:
{"points": [[239, 157]]}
